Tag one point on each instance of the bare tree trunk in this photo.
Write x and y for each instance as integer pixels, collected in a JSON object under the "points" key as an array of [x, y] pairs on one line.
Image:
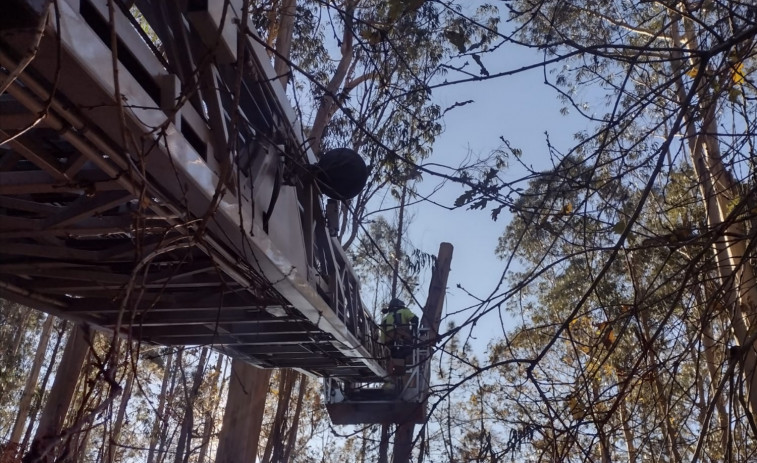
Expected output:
{"points": [[432, 312], [164, 440], [116, 430], [274, 444], [644, 336], [292, 438], [248, 387], [604, 441], [398, 243], [710, 348], [19, 320], [384, 444], [209, 421], [400, 444], [734, 269], [38, 403], [660, 396], [627, 432], [59, 400], [288, 10], [157, 424], [31, 382], [82, 442], [20, 332], [207, 430], [403, 443], [718, 189], [184, 447], [328, 103], [363, 445]]}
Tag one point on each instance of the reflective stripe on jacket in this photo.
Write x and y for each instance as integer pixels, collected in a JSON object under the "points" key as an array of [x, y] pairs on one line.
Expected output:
{"points": [[397, 320]]}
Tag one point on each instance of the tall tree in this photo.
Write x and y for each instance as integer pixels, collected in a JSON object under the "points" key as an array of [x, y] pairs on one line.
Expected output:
{"points": [[635, 246], [243, 416], [39, 400], [370, 92], [183, 446], [58, 402], [160, 422], [24, 405]]}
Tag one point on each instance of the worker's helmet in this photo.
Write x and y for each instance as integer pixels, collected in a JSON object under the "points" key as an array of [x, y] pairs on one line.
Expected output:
{"points": [[396, 304]]}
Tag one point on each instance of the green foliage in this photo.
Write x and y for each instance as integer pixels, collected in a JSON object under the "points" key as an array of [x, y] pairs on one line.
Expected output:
{"points": [[19, 328], [374, 261], [383, 105], [624, 326]]}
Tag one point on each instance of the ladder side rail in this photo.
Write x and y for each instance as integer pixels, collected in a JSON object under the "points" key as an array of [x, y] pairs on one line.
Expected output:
{"points": [[417, 384], [332, 256], [363, 324], [127, 35], [148, 69]]}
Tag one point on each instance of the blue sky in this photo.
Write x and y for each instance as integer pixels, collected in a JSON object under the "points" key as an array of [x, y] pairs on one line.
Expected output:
{"points": [[519, 108]]}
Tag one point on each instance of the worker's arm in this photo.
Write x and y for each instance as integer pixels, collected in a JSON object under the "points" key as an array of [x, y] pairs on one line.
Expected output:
{"points": [[382, 333], [414, 326]]}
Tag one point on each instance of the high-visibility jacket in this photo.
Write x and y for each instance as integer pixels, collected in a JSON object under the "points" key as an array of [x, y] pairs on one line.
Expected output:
{"points": [[398, 325]]}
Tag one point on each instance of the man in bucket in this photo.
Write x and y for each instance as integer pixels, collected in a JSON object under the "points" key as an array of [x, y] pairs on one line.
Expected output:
{"points": [[399, 330]]}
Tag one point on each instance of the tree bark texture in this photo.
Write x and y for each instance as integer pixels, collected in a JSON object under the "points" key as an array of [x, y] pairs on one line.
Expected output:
{"points": [[274, 447], [43, 386], [25, 402], [328, 102], [240, 433], [209, 421], [384, 444], [118, 424], [718, 189], [292, 435], [59, 400], [287, 14], [158, 424], [184, 447]]}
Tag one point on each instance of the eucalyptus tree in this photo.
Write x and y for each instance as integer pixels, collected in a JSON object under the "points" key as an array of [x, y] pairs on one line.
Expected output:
{"points": [[361, 74], [627, 372], [635, 281], [19, 329]]}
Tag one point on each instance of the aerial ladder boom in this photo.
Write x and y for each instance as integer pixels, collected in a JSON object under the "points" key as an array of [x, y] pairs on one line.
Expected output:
{"points": [[154, 181]]}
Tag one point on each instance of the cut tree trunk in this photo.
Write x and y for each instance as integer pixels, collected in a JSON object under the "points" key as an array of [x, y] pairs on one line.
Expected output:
{"points": [[432, 313]]}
